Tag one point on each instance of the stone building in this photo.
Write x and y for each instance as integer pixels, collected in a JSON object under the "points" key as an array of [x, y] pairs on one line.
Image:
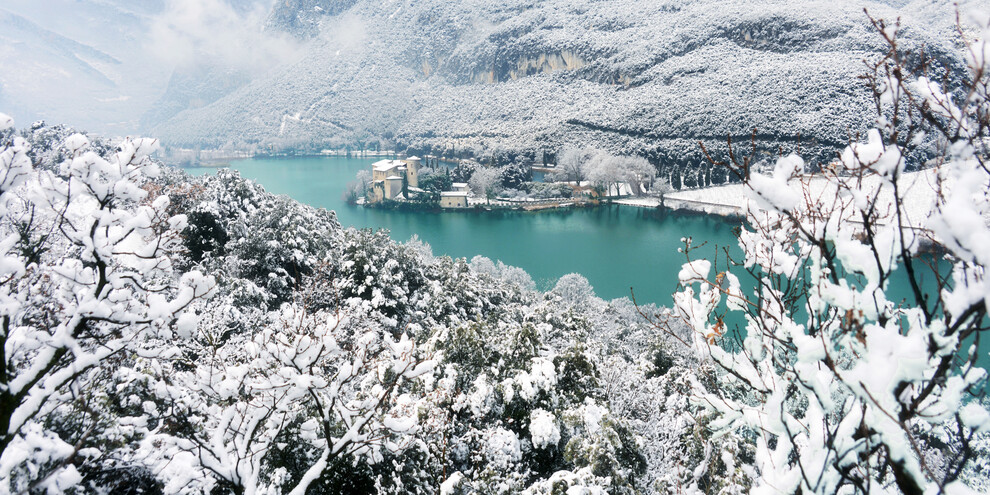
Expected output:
{"points": [[454, 199], [387, 178]]}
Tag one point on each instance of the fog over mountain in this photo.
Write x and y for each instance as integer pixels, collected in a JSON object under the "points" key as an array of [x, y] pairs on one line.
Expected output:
{"points": [[55, 66], [520, 75], [105, 64]]}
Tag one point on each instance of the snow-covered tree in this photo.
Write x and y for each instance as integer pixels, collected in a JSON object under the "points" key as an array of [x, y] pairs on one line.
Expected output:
{"points": [[569, 163], [601, 169], [463, 172], [500, 271], [607, 172], [573, 290], [843, 386], [86, 278], [638, 172], [270, 244], [513, 415], [514, 176], [359, 187], [485, 182]]}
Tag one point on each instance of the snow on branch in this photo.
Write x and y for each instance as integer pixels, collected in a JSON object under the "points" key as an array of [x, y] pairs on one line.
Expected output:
{"points": [[845, 387], [87, 277]]}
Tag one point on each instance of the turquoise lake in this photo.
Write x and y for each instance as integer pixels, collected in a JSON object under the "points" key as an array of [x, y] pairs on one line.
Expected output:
{"points": [[614, 247]]}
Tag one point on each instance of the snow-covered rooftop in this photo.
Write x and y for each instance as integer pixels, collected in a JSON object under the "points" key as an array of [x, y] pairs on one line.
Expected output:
{"points": [[386, 165], [454, 193]]}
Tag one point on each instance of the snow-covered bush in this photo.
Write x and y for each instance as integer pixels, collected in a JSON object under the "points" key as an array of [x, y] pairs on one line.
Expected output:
{"points": [[517, 414], [386, 275], [534, 191], [500, 271], [840, 385], [542, 190], [268, 242]]}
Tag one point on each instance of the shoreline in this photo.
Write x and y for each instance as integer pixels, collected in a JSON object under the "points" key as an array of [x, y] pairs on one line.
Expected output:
{"points": [[650, 203], [725, 201], [672, 202]]}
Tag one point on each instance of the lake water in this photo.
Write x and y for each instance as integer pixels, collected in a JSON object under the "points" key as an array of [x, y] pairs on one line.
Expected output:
{"points": [[614, 247]]}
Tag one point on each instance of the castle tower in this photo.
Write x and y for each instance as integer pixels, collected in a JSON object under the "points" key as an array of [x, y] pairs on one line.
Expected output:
{"points": [[412, 170]]}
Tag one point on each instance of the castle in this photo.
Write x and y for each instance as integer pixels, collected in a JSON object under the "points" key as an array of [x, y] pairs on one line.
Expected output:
{"points": [[387, 178]]}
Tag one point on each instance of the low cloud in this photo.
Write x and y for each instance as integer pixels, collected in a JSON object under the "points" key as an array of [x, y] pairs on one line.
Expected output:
{"points": [[219, 33], [347, 32]]}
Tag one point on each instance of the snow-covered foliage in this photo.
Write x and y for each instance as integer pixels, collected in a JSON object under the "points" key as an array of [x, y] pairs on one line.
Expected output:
{"points": [[168, 334], [88, 281], [847, 375], [484, 182], [317, 388], [514, 398]]}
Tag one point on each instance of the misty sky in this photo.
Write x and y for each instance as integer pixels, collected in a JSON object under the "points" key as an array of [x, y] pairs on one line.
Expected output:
{"points": [[102, 64]]}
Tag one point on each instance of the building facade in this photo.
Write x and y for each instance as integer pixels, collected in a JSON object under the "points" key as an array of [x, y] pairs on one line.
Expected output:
{"points": [[454, 199]]}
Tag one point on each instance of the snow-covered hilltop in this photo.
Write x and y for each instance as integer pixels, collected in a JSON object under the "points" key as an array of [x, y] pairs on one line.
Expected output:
{"points": [[521, 76]]}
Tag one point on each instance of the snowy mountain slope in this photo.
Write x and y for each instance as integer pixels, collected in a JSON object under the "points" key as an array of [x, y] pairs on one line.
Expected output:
{"points": [[302, 18], [630, 76], [82, 57], [192, 87], [37, 65]]}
